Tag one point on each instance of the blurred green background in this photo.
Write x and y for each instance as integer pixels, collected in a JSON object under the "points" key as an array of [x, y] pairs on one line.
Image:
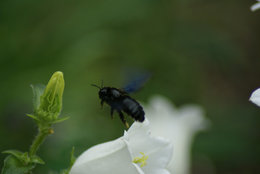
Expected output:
{"points": [[204, 52]]}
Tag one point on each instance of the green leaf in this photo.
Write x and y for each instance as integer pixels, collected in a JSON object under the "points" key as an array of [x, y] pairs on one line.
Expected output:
{"points": [[24, 158], [72, 157], [13, 165], [72, 160], [21, 156], [37, 93], [36, 160]]}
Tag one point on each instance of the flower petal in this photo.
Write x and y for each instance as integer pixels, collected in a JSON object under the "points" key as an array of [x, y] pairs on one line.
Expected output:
{"points": [[157, 171], [177, 125], [138, 168], [111, 157], [193, 117], [255, 97], [158, 150], [255, 6], [160, 157], [156, 104]]}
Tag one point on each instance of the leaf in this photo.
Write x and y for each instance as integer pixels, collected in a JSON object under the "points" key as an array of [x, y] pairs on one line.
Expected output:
{"points": [[72, 160], [37, 93], [72, 157], [13, 165], [24, 158], [21, 156], [36, 160]]}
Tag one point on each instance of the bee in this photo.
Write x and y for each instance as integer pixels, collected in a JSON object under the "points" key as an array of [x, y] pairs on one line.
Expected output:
{"points": [[120, 101]]}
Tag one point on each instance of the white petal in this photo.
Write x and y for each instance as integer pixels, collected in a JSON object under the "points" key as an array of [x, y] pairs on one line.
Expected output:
{"points": [[193, 117], [138, 168], [255, 7], [138, 129], [255, 97], [158, 150], [160, 106], [177, 125], [159, 158], [158, 171], [111, 157]]}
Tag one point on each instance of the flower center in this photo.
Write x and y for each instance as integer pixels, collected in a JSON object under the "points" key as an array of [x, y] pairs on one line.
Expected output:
{"points": [[141, 160]]}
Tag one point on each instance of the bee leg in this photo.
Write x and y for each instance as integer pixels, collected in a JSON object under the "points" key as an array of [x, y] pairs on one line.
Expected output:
{"points": [[102, 102], [111, 112], [123, 119]]}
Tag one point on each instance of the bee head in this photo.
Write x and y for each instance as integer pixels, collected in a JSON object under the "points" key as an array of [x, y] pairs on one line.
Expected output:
{"points": [[103, 93]]}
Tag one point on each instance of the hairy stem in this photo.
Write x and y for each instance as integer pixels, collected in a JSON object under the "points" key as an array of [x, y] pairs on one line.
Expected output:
{"points": [[38, 140]]}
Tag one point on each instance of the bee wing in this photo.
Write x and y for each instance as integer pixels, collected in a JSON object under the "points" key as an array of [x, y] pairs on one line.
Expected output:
{"points": [[137, 83]]}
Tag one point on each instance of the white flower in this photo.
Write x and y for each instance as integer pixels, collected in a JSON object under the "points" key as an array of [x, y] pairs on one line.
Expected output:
{"points": [[256, 6], [179, 126], [137, 152], [255, 97]]}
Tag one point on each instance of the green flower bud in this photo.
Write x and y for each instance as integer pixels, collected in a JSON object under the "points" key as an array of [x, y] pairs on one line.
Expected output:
{"points": [[51, 100]]}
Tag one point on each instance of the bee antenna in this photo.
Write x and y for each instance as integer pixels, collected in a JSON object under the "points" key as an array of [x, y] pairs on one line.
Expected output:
{"points": [[95, 86]]}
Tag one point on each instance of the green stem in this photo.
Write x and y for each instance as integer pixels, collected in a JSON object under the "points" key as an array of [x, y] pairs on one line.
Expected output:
{"points": [[38, 140]]}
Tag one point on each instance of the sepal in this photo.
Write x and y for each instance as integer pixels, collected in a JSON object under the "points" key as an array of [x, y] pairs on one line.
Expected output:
{"points": [[60, 120], [37, 93], [36, 160], [33, 117]]}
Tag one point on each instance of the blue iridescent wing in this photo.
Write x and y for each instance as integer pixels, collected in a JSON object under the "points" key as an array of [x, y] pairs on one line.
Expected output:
{"points": [[137, 83]]}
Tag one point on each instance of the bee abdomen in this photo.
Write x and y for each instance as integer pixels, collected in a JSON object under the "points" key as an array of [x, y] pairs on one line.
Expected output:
{"points": [[133, 108]]}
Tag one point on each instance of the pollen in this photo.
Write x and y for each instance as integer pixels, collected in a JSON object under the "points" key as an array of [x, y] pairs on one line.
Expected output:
{"points": [[51, 131], [141, 160]]}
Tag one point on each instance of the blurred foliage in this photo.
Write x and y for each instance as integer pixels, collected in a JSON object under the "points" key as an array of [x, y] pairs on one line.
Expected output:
{"points": [[204, 52]]}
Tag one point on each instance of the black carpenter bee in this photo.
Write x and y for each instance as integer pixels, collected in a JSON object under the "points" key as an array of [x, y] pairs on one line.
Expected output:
{"points": [[120, 101]]}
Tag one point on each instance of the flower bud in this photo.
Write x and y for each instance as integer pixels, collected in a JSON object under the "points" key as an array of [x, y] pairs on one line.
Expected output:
{"points": [[51, 100]]}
